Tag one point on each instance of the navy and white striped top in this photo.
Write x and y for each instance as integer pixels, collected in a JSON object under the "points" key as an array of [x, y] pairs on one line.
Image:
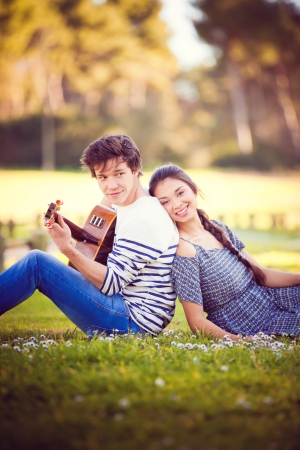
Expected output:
{"points": [[139, 265]]}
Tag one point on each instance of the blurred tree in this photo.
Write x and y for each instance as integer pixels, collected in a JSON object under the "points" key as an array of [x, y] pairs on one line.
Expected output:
{"points": [[57, 55], [260, 43]]}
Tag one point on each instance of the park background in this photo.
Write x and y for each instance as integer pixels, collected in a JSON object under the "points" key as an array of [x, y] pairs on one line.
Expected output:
{"points": [[212, 85]]}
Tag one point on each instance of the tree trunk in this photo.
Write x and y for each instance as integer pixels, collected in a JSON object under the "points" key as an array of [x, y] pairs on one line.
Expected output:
{"points": [[239, 107], [48, 140], [289, 112]]}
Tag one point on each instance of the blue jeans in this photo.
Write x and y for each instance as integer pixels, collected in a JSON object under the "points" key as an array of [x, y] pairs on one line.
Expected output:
{"points": [[71, 292]]}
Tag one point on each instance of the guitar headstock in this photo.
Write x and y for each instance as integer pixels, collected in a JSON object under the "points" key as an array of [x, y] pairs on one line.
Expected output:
{"points": [[51, 215]]}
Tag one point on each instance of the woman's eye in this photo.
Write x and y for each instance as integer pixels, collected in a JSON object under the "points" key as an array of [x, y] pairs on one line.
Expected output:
{"points": [[181, 192], [164, 203]]}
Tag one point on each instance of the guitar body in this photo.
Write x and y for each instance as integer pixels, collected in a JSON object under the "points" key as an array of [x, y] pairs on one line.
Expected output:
{"points": [[100, 224], [95, 239]]}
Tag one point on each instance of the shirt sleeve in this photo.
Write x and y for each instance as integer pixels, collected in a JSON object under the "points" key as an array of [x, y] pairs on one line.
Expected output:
{"points": [[238, 244], [185, 279], [130, 254]]}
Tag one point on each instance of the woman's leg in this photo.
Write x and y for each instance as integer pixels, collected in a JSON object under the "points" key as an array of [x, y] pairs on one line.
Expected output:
{"points": [[73, 294]]}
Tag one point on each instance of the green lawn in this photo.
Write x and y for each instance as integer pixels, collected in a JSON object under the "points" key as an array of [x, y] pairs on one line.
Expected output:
{"points": [[179, 391], [134, 392]]}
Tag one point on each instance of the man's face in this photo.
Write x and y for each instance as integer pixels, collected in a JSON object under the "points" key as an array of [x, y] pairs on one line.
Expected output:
{"points": [[117, 182]]}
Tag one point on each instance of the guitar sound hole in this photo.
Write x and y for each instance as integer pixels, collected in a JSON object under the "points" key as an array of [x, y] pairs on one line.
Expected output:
{"points": [[97, 221]]}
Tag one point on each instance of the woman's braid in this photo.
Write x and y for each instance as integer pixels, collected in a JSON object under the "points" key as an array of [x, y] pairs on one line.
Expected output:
{"points": [[220, 235]]}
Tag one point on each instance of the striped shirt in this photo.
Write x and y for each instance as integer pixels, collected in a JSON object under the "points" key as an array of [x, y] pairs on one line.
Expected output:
{"points": [[139, 266]]}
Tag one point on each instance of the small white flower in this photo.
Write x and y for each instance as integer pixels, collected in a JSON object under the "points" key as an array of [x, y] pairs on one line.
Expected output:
{"points": [[159, 382], [173, 343], [124, 403], [196, 360], [224, 368], [179, 345], [203, 347], [17, 348], [189, 346], [4, 345], [171, 331], [68, 343], [42, 336], [109, 339], [33, 339]]}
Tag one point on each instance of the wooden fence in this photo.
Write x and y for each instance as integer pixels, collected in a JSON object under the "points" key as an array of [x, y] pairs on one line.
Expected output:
{"points": [[38, 237]]}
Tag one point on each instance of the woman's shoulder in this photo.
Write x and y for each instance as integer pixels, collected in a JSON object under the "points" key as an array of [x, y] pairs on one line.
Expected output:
{"points": [[185, 249]]}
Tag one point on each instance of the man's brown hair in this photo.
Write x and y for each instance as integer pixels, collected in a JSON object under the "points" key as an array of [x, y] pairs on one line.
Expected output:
{"points": [[111, 146]]}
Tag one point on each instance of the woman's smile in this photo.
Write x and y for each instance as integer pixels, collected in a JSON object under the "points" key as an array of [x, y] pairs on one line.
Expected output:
{"points": [[183, 211]]}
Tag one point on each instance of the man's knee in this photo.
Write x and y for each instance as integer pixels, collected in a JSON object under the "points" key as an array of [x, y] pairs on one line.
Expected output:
{"points": [[37, 256]]}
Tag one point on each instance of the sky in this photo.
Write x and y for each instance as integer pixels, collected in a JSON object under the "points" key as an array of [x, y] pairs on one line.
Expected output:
{"points": [[185, 43]]}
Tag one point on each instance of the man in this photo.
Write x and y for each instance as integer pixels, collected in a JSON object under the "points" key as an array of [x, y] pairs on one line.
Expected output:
{"points": [[133, 292]]}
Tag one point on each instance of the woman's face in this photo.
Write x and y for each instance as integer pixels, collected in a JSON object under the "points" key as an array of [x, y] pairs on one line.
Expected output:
{"points": [[177, 198]]}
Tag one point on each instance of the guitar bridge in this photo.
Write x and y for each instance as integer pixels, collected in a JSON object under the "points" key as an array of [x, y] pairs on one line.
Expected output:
{"points": [[97, 221]]}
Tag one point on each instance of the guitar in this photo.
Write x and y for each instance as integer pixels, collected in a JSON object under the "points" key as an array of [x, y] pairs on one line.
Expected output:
{"points": [[95, 239]]}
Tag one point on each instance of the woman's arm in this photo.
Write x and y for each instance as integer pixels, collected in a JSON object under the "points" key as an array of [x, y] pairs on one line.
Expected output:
{"points": [[275, 278], [197, 322]]}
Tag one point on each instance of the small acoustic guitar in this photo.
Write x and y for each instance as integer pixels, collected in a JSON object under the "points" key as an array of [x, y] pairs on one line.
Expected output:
{"points": [[95, 239]]}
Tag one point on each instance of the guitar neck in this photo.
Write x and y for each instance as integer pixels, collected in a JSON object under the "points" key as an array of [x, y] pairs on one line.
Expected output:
{"points": [[79, 234]]}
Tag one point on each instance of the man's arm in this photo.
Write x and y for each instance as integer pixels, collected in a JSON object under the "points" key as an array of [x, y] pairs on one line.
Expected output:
{"points": [[91, 270]]}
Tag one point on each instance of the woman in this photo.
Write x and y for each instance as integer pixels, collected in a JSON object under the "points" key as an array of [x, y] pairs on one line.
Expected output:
{"points": [[212, 272]]}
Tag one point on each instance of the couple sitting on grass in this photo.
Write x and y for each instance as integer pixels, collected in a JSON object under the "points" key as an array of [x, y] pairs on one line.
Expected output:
{"points": [[164, 247]]}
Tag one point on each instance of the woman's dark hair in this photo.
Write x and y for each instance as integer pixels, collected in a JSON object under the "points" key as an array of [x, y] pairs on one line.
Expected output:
{"points": [[175, 172], [111, 146]]}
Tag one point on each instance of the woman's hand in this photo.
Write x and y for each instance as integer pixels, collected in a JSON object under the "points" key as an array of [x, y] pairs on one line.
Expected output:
{"points": [[197, 322]]}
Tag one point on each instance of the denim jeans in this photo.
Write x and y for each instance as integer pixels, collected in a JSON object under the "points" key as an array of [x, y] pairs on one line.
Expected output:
{"points": [[71, 292]]}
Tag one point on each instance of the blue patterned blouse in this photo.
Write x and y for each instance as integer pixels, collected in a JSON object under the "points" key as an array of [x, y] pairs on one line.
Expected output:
{"points": [[224, 286]]}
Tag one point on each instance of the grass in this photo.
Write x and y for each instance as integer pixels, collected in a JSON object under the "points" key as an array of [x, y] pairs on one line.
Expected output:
{"points": [[179, 391], [131, 392]]}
